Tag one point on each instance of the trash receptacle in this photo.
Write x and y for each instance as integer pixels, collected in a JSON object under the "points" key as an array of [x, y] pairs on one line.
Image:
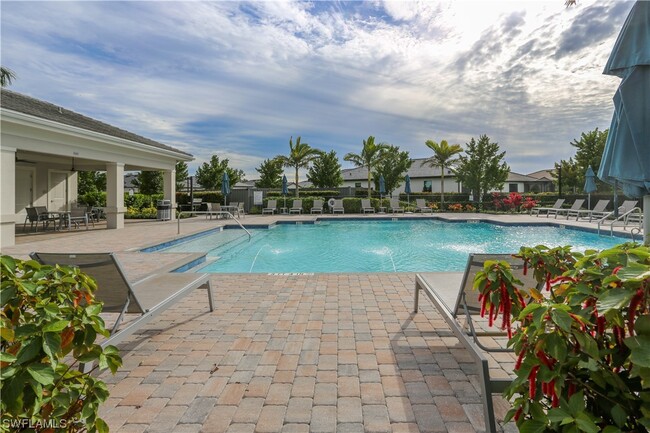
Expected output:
{"points": [[164, 208]]}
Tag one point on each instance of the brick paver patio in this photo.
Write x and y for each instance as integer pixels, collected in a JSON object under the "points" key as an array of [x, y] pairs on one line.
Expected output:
{"points": [[282, 353]]}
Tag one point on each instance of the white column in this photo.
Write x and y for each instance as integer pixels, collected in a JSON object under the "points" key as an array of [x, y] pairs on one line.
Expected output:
{"points": [[115, 195], [646, 220], [7, 196], [169, 189]]}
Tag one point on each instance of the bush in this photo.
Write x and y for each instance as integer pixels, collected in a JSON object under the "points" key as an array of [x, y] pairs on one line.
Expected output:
{"points": [[144, 213], [50, 321], [584, 347], [93, 198]]}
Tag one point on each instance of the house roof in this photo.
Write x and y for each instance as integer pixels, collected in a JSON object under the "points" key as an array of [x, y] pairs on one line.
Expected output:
{"points": [[34, 107], [417, 170], [542, 174]]}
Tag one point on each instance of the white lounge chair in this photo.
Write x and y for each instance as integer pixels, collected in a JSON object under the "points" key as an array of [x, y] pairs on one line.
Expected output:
{"points": [[467, 325], [576, 206], [557, 205], [337, 207], [366, 207], [147, 297], [296, 207], [395, 207], [271, 207], [317, 207], [421, 206], [597, 212]]}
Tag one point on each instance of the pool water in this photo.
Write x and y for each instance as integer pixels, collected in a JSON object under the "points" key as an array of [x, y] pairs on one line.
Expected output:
{"points": [[375, 246]]}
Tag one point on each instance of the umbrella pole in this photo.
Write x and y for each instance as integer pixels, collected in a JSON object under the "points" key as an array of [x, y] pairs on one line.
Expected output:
{"points": [[646, 220]]}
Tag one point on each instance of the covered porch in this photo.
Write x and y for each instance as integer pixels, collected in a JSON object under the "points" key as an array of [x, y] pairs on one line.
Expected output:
{"points": [[45, 146]]}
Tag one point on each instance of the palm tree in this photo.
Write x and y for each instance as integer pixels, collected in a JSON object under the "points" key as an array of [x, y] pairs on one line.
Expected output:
{"points": [[443, 157], [370, 155], [300, 156], [6, 75]]}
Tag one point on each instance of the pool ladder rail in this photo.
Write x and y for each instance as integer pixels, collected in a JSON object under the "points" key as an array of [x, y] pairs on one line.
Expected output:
{"points": [[228, 214], [631, 217]]}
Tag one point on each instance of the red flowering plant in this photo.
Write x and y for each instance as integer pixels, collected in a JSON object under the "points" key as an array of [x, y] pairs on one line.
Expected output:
{"points": [[513, 201], [582, 339], [529, 203], [497, 201]]}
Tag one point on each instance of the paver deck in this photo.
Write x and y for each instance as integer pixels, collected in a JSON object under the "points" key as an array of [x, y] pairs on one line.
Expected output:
{"points": [[282, 353]]}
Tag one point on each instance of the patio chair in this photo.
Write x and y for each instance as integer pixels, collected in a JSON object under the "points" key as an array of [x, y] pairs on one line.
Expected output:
{"points": [[337, 207], [214, 209], [421, 206], [76, 216], [240, 210], [597, 212], [271, 207], [395, 207], [366, 207], [467, 325], [557, 205], [296, 207], [197, 203], [147, 297], [576, 206], [317, 207], [37, 215]]}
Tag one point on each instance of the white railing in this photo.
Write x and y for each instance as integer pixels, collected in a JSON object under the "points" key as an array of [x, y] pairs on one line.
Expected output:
{"points": [[633, 216], [203, 212]]}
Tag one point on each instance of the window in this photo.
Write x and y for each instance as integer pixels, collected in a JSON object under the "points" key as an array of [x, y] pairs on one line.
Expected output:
{"points": [[357, 184], [513, 187], [427, 186]]}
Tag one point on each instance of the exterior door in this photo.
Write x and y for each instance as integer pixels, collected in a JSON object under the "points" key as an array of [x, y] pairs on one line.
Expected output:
{"points": [[57, 190], [24, 191]]}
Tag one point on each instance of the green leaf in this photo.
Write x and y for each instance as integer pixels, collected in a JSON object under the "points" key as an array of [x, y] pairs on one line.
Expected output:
{"points": [[614, 299], [26, 330], [29, 351], [611, 429], [52, 309], [532, 426], [101, 426], [562, 319], [577, 403], [51, 344], [7, 357], [640, 347], [558, 414], [585, 424], [619, 415], [41, 373], [57, 326], [6, 294], [642, 325], [634, 271]]}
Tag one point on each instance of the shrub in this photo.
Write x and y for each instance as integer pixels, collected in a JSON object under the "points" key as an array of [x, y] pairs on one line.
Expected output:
{"points": [[93, 198], [584, 346], [50, 321], [456, 207], [529, 203]]}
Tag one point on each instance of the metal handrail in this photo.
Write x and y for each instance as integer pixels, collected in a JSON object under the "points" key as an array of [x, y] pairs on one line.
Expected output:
{"points": [[633, 231], [625, 218], [210, 213]]}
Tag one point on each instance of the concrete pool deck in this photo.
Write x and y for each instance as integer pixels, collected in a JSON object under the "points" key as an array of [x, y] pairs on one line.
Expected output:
{"points": [[284, 353]]}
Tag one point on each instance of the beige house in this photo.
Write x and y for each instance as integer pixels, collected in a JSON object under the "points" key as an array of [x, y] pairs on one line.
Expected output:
{"points": [[42, 146]]}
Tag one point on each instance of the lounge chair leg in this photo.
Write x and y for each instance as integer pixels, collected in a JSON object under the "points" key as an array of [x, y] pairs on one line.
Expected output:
{"points": [[210, 296], [488, 406], [416, 297]]}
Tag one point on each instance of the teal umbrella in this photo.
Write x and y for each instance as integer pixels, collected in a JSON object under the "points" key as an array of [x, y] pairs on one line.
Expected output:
{"points": [[590, 184], [285, 189], [382, 189], [626, 158], [225, 186]]}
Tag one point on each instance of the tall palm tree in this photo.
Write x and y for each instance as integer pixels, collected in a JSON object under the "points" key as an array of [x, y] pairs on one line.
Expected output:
{"points": [[444, 156], [370, 155], [300, 156], [6, 76]]}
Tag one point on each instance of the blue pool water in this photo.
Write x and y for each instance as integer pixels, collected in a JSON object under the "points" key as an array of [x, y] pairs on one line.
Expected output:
{"points": [[375, 246]]}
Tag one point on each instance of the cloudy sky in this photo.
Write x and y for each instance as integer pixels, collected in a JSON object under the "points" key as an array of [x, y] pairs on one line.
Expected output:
{"points": [[239, 78]]}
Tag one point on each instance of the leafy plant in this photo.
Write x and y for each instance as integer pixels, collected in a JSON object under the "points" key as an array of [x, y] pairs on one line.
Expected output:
{"points": [[583, 340], [455, 207], [50, 321]]}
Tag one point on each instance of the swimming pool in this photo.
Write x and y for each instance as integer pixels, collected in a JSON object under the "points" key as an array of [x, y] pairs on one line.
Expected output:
{"points": [[374, 246]]}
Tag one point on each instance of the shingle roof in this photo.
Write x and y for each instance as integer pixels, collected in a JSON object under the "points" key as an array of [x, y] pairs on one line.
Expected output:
{"points": [[417, 170], [34, 107]]}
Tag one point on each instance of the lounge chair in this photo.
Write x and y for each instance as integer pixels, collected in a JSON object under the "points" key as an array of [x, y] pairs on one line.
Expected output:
{"points": [[395, 207], [421, 206], [576, 206], [337, 207], [317, 207], [296, 207], [557, 205], [271, 207], [147, 297], [466, 324], [366, 207], [597, 212]]}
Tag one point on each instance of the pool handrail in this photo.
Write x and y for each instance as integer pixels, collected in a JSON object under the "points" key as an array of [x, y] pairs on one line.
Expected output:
{"points": [[223, 212]]}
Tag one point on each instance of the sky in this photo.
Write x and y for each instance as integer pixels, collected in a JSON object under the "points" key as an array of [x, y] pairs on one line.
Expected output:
{"points": [[238, 79]]}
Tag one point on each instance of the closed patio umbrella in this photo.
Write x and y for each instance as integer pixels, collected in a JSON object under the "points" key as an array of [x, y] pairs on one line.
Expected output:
{"points": [[285, 190], [407, 189], [626, 157], [225, 186], [590, 184]]}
